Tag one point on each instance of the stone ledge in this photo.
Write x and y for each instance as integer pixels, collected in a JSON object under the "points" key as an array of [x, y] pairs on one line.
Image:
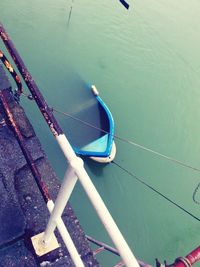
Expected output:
{"points": [[24, 195]]}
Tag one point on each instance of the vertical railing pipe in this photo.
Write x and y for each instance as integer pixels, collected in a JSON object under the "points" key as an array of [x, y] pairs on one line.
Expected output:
{"points": [[64, 194], [65, 236]]}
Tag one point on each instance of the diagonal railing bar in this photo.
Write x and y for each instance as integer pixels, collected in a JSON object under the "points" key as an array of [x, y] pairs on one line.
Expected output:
{"points": [[103, 246]]}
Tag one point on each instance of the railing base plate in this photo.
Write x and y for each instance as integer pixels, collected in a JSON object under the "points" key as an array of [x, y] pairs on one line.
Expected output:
{"points": [[42, 248]]}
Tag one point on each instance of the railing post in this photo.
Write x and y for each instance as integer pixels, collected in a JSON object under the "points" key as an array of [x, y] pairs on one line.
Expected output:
{"points": [[64, 194], [56, 211], [98, 204], [107, 220], [66, 238]]}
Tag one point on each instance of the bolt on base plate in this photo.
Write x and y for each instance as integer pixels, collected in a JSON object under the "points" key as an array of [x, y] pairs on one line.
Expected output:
{"points": [[42, 248]]}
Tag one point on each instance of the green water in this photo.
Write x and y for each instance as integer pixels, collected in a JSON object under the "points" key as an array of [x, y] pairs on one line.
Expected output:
{"points": [[146, 64]]}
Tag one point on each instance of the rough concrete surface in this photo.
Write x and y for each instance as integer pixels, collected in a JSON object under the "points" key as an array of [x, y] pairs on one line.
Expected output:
{"points": [[23, 212]]}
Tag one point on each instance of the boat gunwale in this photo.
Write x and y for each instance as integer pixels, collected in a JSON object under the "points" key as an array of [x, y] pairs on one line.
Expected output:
{"points": [[108, 149]]}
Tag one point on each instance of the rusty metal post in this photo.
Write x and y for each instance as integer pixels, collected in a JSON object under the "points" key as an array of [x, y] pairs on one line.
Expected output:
{"points": [[44, 108]]}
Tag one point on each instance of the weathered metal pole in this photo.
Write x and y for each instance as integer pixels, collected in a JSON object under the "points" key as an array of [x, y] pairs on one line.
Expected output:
{"points": [[192, 258], [111, 249], [45, 110], [10, 68], [4, 98], [66, 189], [98, 204]]}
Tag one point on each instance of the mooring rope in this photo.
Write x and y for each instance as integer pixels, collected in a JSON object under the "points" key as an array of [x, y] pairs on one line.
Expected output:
{"points": [[128, 141], [155, 190], [122, 139], [138, 146]]}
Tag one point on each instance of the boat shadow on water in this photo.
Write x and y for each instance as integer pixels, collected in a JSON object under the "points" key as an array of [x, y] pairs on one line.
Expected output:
{"points": [[96, 168]]}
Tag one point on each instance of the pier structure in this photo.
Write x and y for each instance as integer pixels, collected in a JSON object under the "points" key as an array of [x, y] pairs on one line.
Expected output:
{"points": [[23, 211], [42, 242]]}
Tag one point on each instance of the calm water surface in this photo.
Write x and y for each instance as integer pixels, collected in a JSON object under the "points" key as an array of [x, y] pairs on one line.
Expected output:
{"points": [[146, 64]]}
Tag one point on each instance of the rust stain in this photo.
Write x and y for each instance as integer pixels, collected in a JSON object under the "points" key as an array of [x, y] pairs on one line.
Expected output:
{"points": [[43, 188], [12, 72], [4, 36], [35, 92]]}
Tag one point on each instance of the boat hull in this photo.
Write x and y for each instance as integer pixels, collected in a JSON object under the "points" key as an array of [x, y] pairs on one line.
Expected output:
{"points": [[103, 148], [108, 159]]}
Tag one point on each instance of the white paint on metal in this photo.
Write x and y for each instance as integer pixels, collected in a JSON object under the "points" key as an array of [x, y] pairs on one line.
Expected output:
{"points": [[77, 165], [64, 194], [106, 219], [94, 90], [64, 234], [66, 147], [69, 243], [41, 248]]}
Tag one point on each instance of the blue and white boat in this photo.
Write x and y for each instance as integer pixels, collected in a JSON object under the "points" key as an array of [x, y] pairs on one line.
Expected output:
{"points": [[102, 149]]}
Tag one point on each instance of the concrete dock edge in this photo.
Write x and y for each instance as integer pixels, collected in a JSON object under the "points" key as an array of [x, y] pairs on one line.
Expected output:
{"points": [[23, 212]]}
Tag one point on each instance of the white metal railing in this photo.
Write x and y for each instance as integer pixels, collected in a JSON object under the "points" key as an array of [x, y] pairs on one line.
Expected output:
{"points": [[76, 171]]}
